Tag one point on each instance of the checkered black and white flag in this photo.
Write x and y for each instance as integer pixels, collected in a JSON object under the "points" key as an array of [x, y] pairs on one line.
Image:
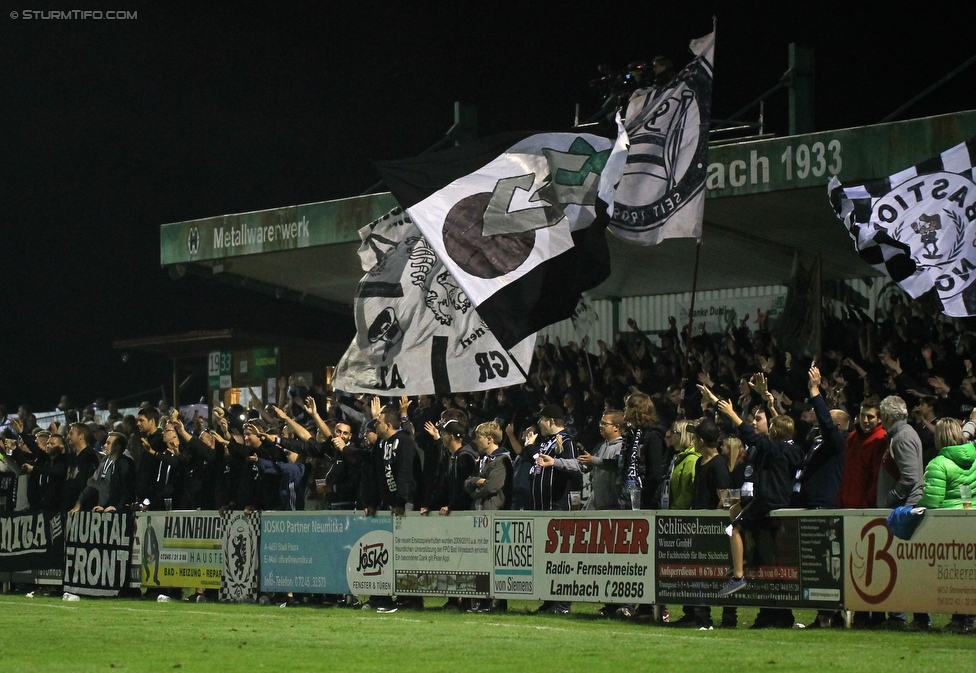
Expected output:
{"points": [[916, 226]]}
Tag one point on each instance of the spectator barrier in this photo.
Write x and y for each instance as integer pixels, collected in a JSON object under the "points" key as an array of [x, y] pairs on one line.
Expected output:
{"points": [[31, 541], [935, 571], [97, 553], [822, 559], [179, 549]]}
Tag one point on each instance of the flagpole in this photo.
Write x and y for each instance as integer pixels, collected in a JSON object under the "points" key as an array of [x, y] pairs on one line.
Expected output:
{"points": [[589, 367], [518, 366], [691, 311], [694, 279]]}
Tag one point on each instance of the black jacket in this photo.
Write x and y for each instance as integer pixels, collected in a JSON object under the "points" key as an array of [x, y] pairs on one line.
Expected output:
{"points": [[81, 468], [45, 486], [648, 458], [774, 464], [342, 470], [119, 492], [449, 491], [203, 467], [551, 486], [819, 475], [390, 477]]}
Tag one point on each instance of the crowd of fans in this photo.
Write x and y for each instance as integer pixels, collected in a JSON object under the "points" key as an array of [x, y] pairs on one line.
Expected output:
{"points": [[677, 422]]}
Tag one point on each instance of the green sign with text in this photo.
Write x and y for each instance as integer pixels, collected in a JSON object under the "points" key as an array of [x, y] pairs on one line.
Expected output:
{"points": [[219, 370]]}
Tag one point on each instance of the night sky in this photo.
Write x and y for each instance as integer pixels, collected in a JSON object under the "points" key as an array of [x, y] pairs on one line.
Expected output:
{"points": [[111, 128]]}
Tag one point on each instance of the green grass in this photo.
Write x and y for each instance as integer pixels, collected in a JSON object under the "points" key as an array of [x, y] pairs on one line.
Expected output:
{"points": [[47, 634]]}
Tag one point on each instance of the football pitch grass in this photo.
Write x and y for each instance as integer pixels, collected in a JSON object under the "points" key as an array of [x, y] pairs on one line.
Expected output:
{"points": [[47, 634]]}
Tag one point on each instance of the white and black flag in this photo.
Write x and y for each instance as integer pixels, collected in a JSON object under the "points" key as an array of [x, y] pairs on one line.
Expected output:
{"points": [[31, 541], [97, 553], [514, 219], [416, 330], [916, 226], [654, 181]]}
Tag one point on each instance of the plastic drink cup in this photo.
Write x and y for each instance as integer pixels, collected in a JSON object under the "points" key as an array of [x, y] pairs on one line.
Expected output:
{"points": [[633, 493]]}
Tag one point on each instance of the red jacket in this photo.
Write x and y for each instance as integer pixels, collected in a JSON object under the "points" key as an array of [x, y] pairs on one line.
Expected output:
{"points": [[859, 484]]}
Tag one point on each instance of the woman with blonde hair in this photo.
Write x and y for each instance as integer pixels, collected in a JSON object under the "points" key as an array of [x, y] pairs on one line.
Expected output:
{"points": [[954, 468], [682, 486], [682, 481], [731, 449], [946, 476]]}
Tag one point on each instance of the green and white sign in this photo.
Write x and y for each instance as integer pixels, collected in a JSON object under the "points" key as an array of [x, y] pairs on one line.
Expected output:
{"points": [[218, 370], [289, 228]]}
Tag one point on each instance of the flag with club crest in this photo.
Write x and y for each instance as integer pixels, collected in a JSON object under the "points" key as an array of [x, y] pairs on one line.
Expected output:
{"points": [[916, 226], [655, 178], [514, 219], [416, 330]]}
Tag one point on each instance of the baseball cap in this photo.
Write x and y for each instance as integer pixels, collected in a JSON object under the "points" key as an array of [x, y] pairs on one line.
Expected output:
{"points": [[452, 427], [553, 411]]}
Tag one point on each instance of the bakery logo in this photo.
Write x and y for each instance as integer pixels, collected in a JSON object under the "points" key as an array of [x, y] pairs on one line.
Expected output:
{"points": [[930, 217], [193, 241], [873, 571]]}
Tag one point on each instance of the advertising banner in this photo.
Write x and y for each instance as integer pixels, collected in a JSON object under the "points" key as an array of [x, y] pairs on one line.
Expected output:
{"points": [[31, 541], [443, 555], [573, 557], [790, 562], [97, 550], [326, 553], [716, 313], [179, 549], [240, 534], [935, 571]]}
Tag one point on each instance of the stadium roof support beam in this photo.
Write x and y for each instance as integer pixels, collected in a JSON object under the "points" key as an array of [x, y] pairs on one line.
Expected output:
{"points": [[801, 90]]}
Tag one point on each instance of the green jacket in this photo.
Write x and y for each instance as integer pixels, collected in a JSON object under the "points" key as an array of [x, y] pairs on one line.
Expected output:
{"points": [[683, 479], [955, 466]]}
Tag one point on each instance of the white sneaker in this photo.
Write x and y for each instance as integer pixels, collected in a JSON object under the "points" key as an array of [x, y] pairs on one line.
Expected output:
{"points": [[70, 597], [163, 598]]}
